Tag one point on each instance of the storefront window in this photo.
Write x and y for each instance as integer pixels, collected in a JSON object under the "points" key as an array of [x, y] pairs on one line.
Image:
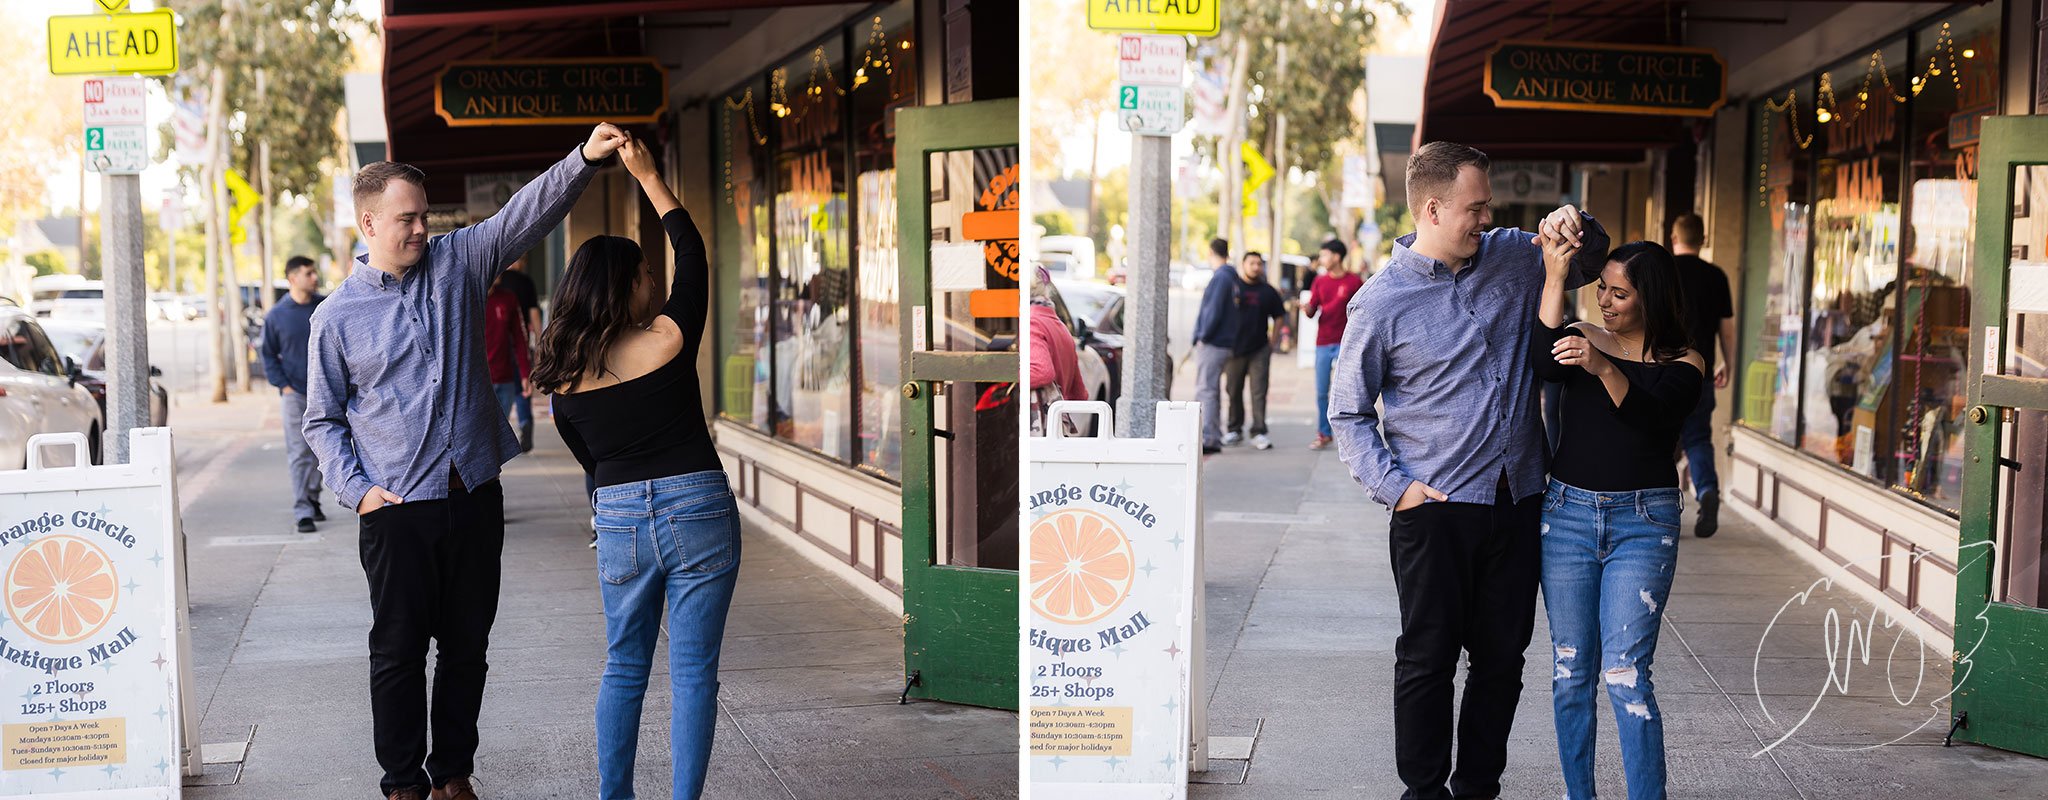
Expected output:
{"points": [[808, 340], [1853, 301], [884, 79], [1775, 285], [813, 276], [741, 257], [1927, 398]]}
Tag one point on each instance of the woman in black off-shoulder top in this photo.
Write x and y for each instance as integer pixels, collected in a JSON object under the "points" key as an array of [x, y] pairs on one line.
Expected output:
{"points": [[620, 359], [1611, 513]]}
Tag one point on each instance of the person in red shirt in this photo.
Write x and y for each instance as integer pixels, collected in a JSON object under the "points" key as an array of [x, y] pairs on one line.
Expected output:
{"points": [[1055, 361], [505, 352], [1327, 297]]}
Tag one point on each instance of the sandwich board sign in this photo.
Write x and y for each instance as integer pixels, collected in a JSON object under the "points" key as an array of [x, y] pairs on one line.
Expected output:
{"points": [[1115, 704], [93, 631]]}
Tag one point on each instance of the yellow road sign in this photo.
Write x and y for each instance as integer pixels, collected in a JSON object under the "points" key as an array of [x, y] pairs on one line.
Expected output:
{"points": [[1197, 17], [245, 199], [113, 6], [118, 44]]}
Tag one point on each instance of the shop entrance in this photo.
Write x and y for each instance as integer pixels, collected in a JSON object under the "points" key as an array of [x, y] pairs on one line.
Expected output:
{"points": [[2001, 637], [957, 170]]}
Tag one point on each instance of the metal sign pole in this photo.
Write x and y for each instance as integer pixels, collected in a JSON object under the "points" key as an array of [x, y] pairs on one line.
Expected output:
{"points": [[127, 325], [1151, 228]]}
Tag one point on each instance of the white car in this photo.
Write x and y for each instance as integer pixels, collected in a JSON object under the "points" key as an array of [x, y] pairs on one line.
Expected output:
{"points": [[40, 392], [85, 301]]}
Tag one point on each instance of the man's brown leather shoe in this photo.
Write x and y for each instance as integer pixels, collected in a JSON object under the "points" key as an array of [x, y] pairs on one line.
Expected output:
{"points": [[408, 793], [455, 789]]}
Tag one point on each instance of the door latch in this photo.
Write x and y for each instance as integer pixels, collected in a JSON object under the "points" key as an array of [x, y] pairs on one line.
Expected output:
{"points": [[1979, 415], [911, 391]]}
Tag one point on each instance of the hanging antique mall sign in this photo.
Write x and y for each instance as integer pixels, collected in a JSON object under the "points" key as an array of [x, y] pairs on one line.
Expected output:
{"points": [[1591, 76], [551, 91]]}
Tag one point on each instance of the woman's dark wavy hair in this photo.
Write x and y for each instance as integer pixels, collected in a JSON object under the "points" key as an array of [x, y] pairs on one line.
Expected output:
{"points": [[593, 306], [1659, 294]]}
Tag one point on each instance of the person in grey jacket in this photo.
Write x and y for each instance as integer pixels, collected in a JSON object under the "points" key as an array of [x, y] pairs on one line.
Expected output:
{"points": [[286, 330]]}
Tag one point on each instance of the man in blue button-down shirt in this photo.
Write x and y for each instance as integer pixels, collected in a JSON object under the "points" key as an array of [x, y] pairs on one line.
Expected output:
{"points": [[1440, 339], [401, 413]]}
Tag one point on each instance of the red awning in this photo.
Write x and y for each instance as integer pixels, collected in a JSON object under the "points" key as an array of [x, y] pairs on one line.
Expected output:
{"points": [[422, 36], [1455, 107]]}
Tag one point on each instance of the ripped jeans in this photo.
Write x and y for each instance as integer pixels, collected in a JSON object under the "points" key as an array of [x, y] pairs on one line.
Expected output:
{"points": [[1608, 558]]}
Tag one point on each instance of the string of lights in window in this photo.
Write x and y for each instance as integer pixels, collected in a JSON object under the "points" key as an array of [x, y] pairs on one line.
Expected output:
{"points": [[1827, 108], [876, 61]]}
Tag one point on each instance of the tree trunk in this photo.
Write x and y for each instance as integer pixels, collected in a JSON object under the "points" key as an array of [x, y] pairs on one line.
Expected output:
{"points": [[1094, 174], [263, 247], [216, 226], [1231, 210], [1279, 202]]}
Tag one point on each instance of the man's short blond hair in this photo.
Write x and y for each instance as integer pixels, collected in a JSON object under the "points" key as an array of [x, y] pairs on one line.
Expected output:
{"points": [[372, 178], [1434, 168]]}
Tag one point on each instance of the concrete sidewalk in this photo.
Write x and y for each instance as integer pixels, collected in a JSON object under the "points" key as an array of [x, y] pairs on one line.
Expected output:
{"points": [[811, 669], [1303, 618]]}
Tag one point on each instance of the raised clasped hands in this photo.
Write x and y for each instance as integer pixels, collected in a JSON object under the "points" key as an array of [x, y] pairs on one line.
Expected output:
{"points": [[605, 139], [639, 160], [1563, 223]]}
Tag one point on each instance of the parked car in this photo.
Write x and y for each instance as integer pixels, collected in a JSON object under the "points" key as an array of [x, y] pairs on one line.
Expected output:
{"points": [[85, 344], [82, 299], [1097, 321], [1078, 250], [175, 308], [1197, 277], [41, 391]]}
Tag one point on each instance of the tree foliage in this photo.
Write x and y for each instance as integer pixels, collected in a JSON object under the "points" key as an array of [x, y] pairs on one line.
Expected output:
{"points": [[301, 48], [1327, 41], [1074, 69], [43, 122]]}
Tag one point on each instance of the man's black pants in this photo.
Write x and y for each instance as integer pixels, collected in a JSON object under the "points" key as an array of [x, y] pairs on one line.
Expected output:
{"points": [[1467, 576], [433, 567]]}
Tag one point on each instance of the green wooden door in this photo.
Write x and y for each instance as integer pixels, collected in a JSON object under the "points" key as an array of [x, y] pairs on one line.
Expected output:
{"points": [[956, 198], [2001, 647]]}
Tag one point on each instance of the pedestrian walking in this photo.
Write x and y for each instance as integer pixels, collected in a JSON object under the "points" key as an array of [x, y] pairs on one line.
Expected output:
{"points": [[1611, 512], [400, 412], [1710, 321], [620, 358], [285, 332], [507, 358], [515, 280], [1215, 341], [1257, 305], [1328, 294], [1440, 337]]}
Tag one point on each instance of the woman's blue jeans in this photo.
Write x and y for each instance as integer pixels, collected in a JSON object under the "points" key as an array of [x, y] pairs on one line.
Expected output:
{"points": [[1326, 357], [669, 543], [1608, 558]]}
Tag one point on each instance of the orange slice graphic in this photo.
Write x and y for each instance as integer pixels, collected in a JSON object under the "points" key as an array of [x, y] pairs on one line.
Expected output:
{"points": [[1080, 566], [61, 589]]}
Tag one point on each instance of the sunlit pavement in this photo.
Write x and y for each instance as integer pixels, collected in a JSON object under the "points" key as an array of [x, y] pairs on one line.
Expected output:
{"points": [[1303, 617], [811, 671]]}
